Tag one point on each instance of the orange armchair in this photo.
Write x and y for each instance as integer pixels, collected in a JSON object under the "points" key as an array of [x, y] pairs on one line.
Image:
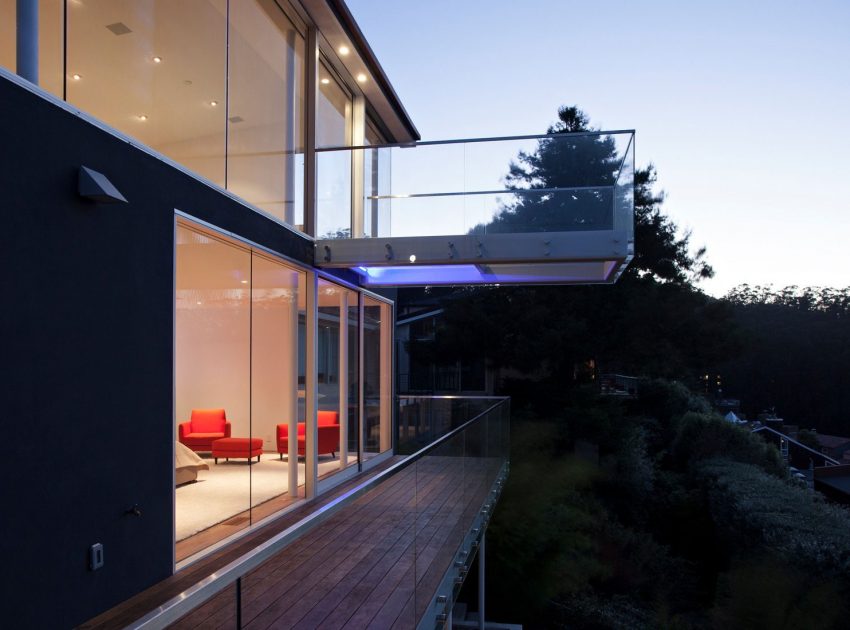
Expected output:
{"points": [[328, 422], [204, 427]]}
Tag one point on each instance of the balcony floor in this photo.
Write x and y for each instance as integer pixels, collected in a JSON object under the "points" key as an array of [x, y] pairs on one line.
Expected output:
{"points": [[356, 570]]}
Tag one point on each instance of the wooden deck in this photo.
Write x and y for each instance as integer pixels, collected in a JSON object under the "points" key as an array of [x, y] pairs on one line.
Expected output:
{"points": [[376, 563]]}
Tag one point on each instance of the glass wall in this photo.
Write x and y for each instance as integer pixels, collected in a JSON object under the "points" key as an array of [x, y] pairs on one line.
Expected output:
{"points": [[337, 376], [156, 70], [377, 377], [236, 347], [265, 147], [216, 85], [333, 129], [377, 180]]}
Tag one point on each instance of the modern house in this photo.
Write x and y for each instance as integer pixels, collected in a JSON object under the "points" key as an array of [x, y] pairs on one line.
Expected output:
{"points": [[202, 201]]}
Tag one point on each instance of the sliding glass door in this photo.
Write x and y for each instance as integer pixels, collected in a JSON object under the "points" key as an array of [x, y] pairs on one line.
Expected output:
{"points": [[236, 386]]}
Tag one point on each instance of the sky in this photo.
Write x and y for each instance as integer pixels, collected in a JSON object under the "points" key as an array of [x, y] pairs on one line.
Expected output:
{"points": [[741, 105]]}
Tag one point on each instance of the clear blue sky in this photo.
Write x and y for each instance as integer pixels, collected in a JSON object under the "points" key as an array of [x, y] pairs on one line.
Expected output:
{"points": [[742, 106]]}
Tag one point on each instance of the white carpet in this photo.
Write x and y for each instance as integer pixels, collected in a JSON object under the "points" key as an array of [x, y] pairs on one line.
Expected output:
{"points": [[228, 488]]}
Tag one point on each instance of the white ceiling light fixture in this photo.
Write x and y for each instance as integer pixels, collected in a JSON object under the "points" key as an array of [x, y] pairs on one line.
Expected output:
{"points": [[325, 81], [344, 50], [76, 77], [362, 78], [143, 117], [213, 103], [157, 59]]}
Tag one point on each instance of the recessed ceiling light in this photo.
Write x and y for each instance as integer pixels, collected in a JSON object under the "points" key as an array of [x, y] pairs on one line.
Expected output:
{"points": [[344, 50], [325, 81], [244, 281], [213, 103], [142, 117], [76, 77], [361, 78], [198, 303], [157, 59]]}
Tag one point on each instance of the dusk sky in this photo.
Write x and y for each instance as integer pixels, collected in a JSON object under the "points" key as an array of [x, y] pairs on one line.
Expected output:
{"points": [[742, 106]]}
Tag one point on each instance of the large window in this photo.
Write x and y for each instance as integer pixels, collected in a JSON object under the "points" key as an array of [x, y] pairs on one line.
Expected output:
{"points": [[337, 378], [377, 377], [333, 129], [265, 149], [216, 85], [155, 69], [236, 386]]}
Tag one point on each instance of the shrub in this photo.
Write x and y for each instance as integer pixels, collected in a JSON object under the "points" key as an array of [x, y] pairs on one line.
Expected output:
{"points": [[703, 436], [753, 509]]}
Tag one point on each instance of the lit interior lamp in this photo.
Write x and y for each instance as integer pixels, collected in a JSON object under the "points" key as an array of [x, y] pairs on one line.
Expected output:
{"points": [[76, 77], [344, 50], [325, 81], [157, 59], [361, 78], [143, 117]]}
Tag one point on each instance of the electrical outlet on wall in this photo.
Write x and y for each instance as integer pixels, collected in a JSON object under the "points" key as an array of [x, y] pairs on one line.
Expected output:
{"points": [[95, 556]]}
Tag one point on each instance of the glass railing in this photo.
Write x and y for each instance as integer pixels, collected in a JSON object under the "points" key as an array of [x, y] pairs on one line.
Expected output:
{"points": [[423, 419], [564, 182], [427, 514]]}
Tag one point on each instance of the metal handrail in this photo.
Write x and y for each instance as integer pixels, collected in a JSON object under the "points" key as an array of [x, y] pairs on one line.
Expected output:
{"points": [[539, 136], [201, 591], [498, 191]]}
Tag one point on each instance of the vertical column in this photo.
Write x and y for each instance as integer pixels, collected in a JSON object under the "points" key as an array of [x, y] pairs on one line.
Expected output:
{"points": [[358, 138], [386, 376], [292, 401], [343, 379], [361, 369], [311, 99], [481, 582], [311, 432], [27, 40], [291, 130]]}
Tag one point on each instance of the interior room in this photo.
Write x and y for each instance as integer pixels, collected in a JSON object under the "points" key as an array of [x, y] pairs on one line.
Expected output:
{"points": [[240, 376]]}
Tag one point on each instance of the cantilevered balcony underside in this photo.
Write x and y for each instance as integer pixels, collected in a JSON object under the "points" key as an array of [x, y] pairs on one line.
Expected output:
{"points": [[552, 209]]}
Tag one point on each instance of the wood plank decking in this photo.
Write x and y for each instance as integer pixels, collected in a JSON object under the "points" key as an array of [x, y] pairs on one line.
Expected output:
{"points": [[377, 563]]}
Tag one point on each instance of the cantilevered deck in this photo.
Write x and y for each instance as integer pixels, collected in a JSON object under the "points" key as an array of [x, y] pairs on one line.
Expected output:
{"points": [[388, 551]]}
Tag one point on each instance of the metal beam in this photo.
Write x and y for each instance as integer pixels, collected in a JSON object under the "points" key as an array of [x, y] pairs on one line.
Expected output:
{"points": [[544, 247]]}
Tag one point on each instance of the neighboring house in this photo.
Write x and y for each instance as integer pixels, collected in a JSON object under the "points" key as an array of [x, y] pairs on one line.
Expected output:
{"points": [[191, 247], [834, 482], [836, 446], [793, 452]]}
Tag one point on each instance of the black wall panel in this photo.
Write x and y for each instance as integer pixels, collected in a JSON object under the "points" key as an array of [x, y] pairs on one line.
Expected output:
{"points": [[86, 350]]}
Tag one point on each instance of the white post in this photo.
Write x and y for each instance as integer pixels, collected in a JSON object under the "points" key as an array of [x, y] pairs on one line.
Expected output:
{"points": [[481, 581], [358, 138], [292, 402], [343, 378], [311, 394]]}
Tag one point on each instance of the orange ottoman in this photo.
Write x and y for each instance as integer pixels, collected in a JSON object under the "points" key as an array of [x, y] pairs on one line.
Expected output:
{"points": [[237, 447]]}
